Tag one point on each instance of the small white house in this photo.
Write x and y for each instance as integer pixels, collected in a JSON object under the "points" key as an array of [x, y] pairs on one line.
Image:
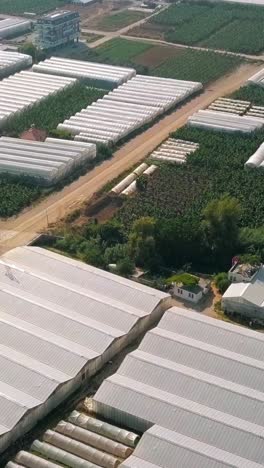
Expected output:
{"points": [[183, 288]]}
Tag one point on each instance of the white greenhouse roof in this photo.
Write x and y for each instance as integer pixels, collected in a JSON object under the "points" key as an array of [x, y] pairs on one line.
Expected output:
{"points": [[195, 384], [252, 292], [56, 314], [224, 121]]}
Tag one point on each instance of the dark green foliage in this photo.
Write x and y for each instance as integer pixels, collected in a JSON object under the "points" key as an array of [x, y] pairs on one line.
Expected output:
{"points": [[125, 266], [30, 49], [53, 110], [222, 282], [252, 93], [18, 7], [15, 194]]}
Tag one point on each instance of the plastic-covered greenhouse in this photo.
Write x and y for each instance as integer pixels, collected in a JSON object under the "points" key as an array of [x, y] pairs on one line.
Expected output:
{"points": [[12, 26], [257, 159], [97, 74], [225, 122], [11, 62], [128, 107], [175, 151], [26, 88], [47, 161]]}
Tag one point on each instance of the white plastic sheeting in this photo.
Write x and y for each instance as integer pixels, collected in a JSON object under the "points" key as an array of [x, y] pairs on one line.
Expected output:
{"points": [[224, 122], [13, 27], [95, 440], [257, 78], [107, 430], [256, 111], [124, 183], [61, 321], [30, 460], [56, 454], [129, 107], [257, 159], [175, 151], [195, 385], [86, 70], [132, 188], [22, 90], [47, 161], [11, 62], [81, 450], [150, 170], [232, 106]]}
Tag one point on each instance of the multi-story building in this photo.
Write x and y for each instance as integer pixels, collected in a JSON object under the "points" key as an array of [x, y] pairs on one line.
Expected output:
{"points": [[57, 28]]}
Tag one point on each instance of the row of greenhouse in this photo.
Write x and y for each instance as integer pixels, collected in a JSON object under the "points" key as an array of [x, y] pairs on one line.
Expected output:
{"points": [[128, 185], [225, 122], [12, 26], [81, 442], [174, 150], [127, 108], [12, 62], [46, 161], [100, 75], [24, 89], [233, 106]]}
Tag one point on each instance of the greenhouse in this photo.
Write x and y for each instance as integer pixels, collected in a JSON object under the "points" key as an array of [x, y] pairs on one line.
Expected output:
{"points": [[175, 151], [258, 78], [12, 62], [257, 159], [256, 111], [24, 89], [10, 27], [224, 121], [128, 107], [61, 321], [194, 387], [232, 106], [98, 74], [46, 161]]}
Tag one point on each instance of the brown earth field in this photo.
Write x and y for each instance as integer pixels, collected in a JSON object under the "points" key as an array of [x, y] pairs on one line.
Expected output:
{"points": [[148, 30], [157, 55], [90, 14]]}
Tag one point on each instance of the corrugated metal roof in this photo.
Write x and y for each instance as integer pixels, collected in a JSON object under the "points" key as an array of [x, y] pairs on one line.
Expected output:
{"points": [[52, 323], [201, 381]]}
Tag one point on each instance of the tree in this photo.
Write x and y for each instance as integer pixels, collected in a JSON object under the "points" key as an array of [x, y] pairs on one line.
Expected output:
{"points": [[115, 254], [30, 49], [111, 233], [222, 282], [125, 267], [142, 243], [91, 252], [221, 227]]}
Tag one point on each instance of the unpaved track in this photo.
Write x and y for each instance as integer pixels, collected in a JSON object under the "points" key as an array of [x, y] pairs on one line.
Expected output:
{"points": [[25, 227]]}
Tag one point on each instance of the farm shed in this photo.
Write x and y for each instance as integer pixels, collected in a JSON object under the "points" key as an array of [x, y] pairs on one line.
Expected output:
{"points": [[61, 321], [45, 161], [128, 107], [10, 27], [195, 388], [224, 121], [246, 299], [12, 62], [257, 159], [98, 74], [24, 89]]}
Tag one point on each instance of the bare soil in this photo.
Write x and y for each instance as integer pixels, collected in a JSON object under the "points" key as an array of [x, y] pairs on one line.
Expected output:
{"points": [[157, 55], [91, 16], [148, 30]]}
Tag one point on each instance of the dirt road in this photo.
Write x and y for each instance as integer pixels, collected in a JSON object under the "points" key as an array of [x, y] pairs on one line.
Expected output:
{"points": [[21, 230]]}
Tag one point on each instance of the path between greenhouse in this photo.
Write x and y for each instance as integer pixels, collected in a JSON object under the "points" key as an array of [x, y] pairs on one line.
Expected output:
{"points": [[24, 228]]}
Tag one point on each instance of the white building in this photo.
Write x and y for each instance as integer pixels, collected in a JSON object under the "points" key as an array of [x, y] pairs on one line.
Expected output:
{"points": [[194, 387], [60, 322], [245, 296]]}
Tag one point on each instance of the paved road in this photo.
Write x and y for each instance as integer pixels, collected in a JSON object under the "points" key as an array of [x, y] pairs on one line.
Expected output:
{"points": [[21, 230]]}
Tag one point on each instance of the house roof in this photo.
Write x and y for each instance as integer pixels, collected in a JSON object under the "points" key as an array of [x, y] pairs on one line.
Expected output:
{"points": [[252, 292], [196, 385], [34, 134], [56, 314]]}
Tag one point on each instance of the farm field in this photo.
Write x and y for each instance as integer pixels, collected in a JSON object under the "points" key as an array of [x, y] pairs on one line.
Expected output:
{"points": [[116, 21], [237, 28], [18, 7], [90, 37], [252, 93], [217, 168], [16, 194], [53, 110], [164, 61]]}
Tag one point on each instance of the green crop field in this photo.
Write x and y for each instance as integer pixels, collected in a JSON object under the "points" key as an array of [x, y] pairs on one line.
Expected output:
{"points": [[197, 66], [15, 194], [18, 7], [120, 51], [217, 168], [237, 28], [119, 20], [184, 64], [252, 93]]}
